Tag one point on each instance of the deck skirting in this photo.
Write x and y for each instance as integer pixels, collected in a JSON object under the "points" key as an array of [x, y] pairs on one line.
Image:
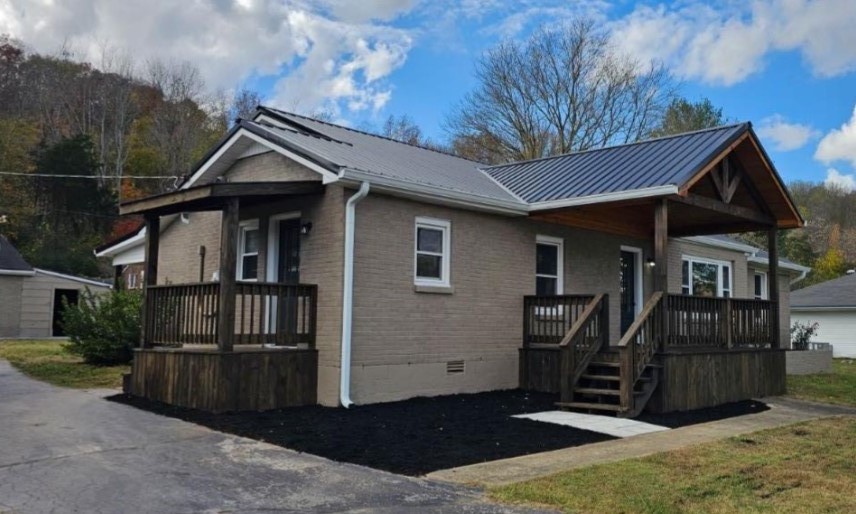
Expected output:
{"points": [[250, 380]]}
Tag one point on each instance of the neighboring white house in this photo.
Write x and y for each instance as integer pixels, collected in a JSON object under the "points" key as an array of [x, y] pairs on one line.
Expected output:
{"points": [[832, 305], [31, 299]]}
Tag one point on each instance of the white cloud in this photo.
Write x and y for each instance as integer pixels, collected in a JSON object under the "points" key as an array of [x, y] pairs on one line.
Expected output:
{"points": [[325, 54], [839, 181], [784, 135], [839, 144], [724, 42]]}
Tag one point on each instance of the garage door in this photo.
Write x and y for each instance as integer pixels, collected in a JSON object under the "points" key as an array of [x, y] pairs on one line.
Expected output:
{"points": [[838, 328]]}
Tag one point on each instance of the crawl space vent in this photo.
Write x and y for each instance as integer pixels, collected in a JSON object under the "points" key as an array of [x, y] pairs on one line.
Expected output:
{"points": [[454, 367]]}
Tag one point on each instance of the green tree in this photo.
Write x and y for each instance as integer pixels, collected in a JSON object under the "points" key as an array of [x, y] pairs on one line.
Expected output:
{"points": [[683, 115]]}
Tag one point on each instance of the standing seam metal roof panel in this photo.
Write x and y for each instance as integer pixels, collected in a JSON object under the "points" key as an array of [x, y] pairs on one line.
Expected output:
{"points": [[666, 161]]}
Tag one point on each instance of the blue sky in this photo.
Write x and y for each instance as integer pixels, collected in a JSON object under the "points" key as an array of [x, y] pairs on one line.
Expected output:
{"points": [[789, 66]]}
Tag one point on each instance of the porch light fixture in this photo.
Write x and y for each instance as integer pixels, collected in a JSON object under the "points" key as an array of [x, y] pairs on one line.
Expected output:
{"points": [[306, 228], [650, 262]]}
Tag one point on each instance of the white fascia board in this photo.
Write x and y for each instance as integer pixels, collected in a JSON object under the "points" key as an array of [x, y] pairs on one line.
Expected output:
{"points": [[718, 243], [72, 278], [822, 308], [433, 194], [138, 239], [134, 255], [327, 176], [17, 272], [604, 198]]}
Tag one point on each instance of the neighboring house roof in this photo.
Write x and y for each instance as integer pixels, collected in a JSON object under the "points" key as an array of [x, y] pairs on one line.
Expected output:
{"points": [[838, 293], [73, 278], [666, 161], [11, 261]]}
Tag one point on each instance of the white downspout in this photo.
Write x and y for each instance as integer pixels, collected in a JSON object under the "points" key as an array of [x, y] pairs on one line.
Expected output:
{"points": [[348, 295]]}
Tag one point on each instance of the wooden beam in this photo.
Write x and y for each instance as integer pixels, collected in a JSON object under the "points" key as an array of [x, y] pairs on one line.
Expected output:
{"points": [[716, 228], [661, 246], [213, 196], [773, 284], [713, 162], [150, 275], [228, 275], [737, 211]]}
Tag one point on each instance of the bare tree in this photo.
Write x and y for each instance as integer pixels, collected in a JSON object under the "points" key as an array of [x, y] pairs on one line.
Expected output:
{"points": [[402, 128], [562, 90]]}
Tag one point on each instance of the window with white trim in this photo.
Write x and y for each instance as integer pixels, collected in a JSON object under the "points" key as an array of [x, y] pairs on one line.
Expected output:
{"points": [[248, 251], [432, 252], [706, 277], [548, 265], [760, 285]]}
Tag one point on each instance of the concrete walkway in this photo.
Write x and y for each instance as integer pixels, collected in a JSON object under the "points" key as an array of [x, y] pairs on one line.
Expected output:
{"points": [[783, 411], [64, 450]]}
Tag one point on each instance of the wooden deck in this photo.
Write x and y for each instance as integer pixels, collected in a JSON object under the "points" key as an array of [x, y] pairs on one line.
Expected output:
{"points": [[681, 353], [241, 380]]}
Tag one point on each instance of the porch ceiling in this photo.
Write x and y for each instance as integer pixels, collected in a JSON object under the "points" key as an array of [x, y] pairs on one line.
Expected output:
{"points": [[212, 197]]}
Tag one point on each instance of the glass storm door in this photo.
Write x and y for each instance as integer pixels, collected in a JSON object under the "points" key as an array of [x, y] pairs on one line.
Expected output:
{"points": [[288, 272]]}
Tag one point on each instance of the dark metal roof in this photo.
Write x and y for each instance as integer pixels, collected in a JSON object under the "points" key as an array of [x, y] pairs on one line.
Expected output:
{"points": [[839, 292], [658, 162], [10, 258]]}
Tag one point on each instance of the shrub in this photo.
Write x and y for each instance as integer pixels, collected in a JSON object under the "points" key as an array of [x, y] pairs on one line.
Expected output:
{"points": [[801, 334], [103, 328]]}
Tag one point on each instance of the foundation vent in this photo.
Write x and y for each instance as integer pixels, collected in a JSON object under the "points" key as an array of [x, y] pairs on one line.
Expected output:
{"points": [[454, 367]]}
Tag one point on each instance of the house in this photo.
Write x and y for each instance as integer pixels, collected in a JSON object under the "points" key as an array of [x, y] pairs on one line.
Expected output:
{"points": [[832, 305], [305, 262], [31, 299]]}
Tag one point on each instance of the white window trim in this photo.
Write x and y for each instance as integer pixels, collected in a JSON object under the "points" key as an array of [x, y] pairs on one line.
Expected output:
{"points": [[559, 243], [243, 228], [765, 292], [637, 263], [446, 255], [719, 282]]}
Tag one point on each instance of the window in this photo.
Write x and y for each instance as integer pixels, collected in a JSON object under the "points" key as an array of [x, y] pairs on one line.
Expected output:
{"points": [[703, 277], [433, 242], [760, 285], [548, 266], [248, 251]]}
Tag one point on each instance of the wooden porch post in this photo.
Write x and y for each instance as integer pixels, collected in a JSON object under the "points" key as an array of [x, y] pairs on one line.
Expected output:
{"points": [[773, 285], [228, 270], [150, 275], [661, 246]]}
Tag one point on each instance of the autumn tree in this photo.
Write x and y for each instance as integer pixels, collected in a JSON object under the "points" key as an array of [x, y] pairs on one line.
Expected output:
{"points": [[563, 89]]}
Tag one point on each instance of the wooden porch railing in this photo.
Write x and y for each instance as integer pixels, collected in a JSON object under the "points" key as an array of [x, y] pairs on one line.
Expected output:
{"points": [[588, 334], [638, 346], [694, 321], [547, 319], [265, 313]]}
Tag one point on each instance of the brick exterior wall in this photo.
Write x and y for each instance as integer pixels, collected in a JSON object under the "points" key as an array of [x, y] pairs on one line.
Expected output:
{"points": [[403, 339]]}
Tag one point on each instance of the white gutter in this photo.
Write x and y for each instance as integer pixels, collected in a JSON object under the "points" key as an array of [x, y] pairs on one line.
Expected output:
{"points": [[72, 278], [348, 295], [605, 197], [17, 273]]}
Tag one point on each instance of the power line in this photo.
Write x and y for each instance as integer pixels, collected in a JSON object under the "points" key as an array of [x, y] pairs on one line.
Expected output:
{"points": [[46, 175]]}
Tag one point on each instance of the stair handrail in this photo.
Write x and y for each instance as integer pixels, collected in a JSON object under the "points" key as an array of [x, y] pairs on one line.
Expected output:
{"points": [[575, 356], [638, 346]]}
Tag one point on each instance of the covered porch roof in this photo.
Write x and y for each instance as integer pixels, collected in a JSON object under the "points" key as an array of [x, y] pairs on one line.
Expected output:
{"points": [[215, 196]]}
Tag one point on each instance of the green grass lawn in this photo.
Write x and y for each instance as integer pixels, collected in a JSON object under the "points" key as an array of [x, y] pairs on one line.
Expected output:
{"points": [[808, 467], [836, 387], [48, 361]]}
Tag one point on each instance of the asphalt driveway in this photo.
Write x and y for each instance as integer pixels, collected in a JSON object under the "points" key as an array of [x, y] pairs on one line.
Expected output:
{"points": [[64, 450]]}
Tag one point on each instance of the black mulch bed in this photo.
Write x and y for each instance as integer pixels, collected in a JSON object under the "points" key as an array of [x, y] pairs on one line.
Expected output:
{"points": [[693, 417], [420, 435]]}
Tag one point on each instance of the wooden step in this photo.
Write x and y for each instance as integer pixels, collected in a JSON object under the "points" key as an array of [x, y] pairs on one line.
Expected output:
{"points": [[590, 406], [610, 378], [606, 364], [592, 390]]}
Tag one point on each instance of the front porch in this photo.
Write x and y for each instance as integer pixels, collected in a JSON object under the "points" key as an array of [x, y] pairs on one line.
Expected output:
{"points": [[235, 342]]}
